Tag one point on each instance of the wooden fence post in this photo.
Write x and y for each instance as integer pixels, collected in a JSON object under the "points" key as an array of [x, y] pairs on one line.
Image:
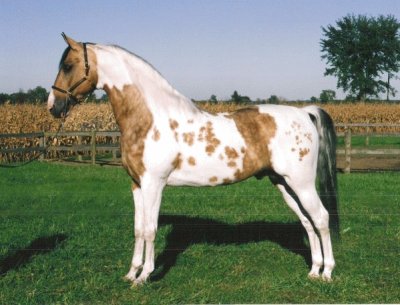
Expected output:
{"points": [[114, 152], [367, 137], [93, 146], [347, 150], [42, 145], [79, 143]]}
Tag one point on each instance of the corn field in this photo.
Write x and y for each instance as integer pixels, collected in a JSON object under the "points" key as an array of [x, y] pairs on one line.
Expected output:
{"points": [[27, 118]]}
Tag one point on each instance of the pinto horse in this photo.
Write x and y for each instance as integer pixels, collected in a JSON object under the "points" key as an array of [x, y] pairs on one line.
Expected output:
{"points": [[167, 140]]}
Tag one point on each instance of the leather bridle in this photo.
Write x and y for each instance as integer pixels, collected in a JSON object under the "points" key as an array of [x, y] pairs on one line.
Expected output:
{"points": [[72, 99]]}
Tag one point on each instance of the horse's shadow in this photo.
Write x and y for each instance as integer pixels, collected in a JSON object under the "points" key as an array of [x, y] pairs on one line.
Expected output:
{"points": [[17, 258], [187, 231]]}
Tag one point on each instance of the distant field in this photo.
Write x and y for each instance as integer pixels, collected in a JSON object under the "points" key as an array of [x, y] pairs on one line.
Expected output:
{"points": [[36, 118], [66, 236], [29, 118]]}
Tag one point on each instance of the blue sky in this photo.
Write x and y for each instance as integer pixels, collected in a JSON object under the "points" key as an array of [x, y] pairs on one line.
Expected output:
{"points": [[204, 47]]}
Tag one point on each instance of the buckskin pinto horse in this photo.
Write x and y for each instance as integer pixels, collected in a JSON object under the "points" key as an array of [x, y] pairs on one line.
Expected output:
{"points": [[167, 140]]}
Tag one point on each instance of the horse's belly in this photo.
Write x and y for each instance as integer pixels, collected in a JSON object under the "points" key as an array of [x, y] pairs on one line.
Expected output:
{"points": [[213, 173]]}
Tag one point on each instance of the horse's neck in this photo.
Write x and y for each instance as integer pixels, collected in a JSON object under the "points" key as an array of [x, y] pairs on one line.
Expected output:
{"points": [[136, 89]]}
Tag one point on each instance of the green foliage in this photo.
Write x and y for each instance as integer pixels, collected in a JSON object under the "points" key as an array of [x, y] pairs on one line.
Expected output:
{"points": [[39, 95], [213, 99], [34, 96], [66, 235], [273, 99], [236, 98], [327, 96], [359, 51]]}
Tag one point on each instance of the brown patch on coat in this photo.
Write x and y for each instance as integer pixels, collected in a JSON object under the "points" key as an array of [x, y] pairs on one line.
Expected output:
{"points": [[201, 134], [188, 137], [303, 152], [213, 179], [134, 120], [295, 125], [192, 161], [190, 121], [134, 186], [227, 181], [308, 136], [231, 153], [177, 163], [231, 164], [173, 124], [257, 129], [156, 134], [207, 134]]}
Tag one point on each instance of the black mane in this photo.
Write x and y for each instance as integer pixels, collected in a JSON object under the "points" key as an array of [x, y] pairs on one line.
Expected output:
{"points": [[64, 55]]}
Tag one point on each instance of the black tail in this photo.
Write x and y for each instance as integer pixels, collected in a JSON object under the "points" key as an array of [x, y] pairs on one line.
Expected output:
{"points": [[326, 169]]}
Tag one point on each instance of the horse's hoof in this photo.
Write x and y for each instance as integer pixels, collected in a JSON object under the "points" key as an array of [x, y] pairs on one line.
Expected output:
{"points": [[313, 276], [130, 277], [326, 278], [138, 282]]}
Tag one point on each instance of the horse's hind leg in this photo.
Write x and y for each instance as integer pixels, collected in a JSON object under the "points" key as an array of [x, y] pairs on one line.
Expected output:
{"points": [[289, 197], [307, 194], [137, 259]]}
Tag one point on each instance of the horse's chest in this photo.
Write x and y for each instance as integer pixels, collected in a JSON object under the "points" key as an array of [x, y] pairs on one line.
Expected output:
{"points": [[132, 151]]}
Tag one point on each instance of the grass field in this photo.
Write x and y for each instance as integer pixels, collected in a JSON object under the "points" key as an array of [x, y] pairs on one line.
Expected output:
{"points": [[375, 141], [66, 237]]}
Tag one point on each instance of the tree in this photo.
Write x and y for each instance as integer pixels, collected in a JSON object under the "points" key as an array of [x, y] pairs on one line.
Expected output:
{"points": [[213, 99], [4, 97], [18, 97], [359, 51], [273, 99], [327, 96], [391, 47], [37, 95], [236, 98]]}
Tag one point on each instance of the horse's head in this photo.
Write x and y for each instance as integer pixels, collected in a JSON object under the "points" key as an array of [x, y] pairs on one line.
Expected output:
{"points": [[76, 78]]}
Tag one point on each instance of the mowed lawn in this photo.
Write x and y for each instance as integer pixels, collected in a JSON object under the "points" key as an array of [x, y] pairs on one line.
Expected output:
{"points": [[66, 237]]}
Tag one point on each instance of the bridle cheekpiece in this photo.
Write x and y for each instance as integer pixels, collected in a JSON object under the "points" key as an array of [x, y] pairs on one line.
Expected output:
{"points": [[71, 98]]}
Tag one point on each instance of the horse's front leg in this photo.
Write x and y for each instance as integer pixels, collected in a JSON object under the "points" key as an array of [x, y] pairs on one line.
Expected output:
{"points": [[137, 259], [151, 188]]}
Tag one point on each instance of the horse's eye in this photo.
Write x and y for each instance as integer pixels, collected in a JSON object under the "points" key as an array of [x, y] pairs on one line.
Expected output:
{"points": [[67, 67]]}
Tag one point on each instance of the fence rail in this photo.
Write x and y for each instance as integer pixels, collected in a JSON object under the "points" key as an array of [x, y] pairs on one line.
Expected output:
{"points": [[93, 147]]}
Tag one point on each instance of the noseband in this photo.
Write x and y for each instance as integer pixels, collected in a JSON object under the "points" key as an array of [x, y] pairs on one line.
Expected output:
{"points": [[71, 98]]}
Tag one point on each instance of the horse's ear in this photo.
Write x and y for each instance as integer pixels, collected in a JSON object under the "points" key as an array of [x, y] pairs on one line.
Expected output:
{"points": [[72, 43]]}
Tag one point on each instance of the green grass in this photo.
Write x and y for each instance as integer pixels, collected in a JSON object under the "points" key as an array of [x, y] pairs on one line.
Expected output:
{"points": [[375, 141], [66, 237]]}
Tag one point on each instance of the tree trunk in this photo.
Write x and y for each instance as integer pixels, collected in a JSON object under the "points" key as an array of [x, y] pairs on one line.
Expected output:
{"points": [[388, 88]]}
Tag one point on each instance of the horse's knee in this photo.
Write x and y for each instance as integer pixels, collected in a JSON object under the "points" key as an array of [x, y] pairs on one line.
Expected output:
{"points": [[322, 221], [139, 233], [149, 233]]}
